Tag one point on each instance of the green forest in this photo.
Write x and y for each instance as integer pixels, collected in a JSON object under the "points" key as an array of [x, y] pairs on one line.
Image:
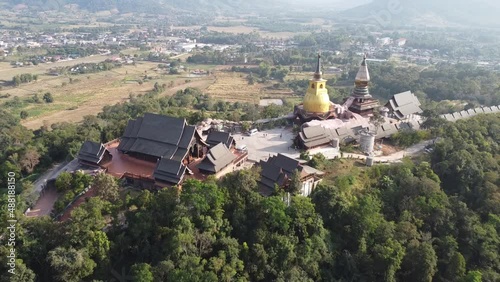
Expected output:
{"points": [[434, 218]]}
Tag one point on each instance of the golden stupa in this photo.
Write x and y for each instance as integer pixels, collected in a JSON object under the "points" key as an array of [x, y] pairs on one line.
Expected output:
{"points": [[317, 99], [316, 103]]}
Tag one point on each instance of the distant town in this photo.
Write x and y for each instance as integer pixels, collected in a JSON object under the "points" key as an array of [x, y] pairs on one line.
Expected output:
{"points": [[249, 141]]}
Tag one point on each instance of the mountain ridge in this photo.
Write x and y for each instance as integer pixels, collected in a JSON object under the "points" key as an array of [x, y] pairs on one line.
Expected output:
{"points": [[427, 12], [158, 6]]}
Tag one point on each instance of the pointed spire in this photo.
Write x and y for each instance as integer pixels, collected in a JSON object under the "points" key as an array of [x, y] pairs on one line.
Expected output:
{"points": [[317, 74], [363, 63], [362, 80], [318, 66], [363, 74]]}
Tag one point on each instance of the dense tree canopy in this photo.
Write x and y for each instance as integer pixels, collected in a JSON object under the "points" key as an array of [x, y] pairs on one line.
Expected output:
{"points": [[442, 82], [435, 218]]}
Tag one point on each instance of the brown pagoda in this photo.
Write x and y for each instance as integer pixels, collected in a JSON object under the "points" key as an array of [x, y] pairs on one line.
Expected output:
{"points": [[363, 104]]}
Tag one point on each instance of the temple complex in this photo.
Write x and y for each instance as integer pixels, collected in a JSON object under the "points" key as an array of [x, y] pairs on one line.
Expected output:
{"points": [[316, 103], [362, 102]]}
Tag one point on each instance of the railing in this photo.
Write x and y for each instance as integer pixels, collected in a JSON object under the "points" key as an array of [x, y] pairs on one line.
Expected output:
{"points": [[138, 177], [112, 142], [58, 216], [240, 158]]}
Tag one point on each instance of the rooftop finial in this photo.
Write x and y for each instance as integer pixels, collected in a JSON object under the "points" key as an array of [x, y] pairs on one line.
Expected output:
{"points": [[317, 74], [364, 60]]}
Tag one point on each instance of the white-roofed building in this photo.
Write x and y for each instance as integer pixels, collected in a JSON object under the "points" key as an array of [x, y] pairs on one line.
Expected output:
{"points": [[403, 105]]}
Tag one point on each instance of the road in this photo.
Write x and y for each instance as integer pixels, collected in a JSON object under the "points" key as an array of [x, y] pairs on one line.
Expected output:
{"points": [[331, 153], [47, 199], [53, 173], [178, 56]]}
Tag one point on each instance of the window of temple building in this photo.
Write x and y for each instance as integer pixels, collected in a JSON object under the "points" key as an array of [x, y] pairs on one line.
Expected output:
{"points": [[312, 86], [321, 86]]}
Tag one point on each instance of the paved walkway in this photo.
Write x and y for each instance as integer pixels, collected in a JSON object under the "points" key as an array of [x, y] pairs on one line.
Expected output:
{"points": [[271, 142], [54, 173], [48, 197], [332, 153], [45, 203]]}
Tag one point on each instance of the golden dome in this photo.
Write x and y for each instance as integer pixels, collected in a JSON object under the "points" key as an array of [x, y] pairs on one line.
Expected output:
{"points": [[317, 99], [317, 103]]}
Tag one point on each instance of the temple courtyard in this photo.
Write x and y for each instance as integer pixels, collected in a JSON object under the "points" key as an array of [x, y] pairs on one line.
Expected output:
{"points": [[267, 143]]}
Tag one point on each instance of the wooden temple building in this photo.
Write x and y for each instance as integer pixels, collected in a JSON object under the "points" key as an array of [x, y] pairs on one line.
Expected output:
{"points": [[159, 151], [218, 158], [154, 137]]}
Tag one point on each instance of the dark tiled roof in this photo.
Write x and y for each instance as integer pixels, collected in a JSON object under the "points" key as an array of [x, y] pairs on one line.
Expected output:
{"points": [[216, 137], [157, 135], [217, 158], [270, 171], [277, 169], [169, 171], [180, 154], [91, 152], [286, 163]]}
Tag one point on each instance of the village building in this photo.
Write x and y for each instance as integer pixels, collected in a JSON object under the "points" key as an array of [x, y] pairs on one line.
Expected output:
{"points": [[278, 171]]}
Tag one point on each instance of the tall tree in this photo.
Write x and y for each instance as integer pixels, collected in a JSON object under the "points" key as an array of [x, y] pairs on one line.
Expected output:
{"points": [[142, 273], [70, 264], [106, 187], [295, 186]]}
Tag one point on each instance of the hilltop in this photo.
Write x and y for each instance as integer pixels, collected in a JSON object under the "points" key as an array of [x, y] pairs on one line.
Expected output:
{"points": [[149, 6], [427, 13], [269, 7]]}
